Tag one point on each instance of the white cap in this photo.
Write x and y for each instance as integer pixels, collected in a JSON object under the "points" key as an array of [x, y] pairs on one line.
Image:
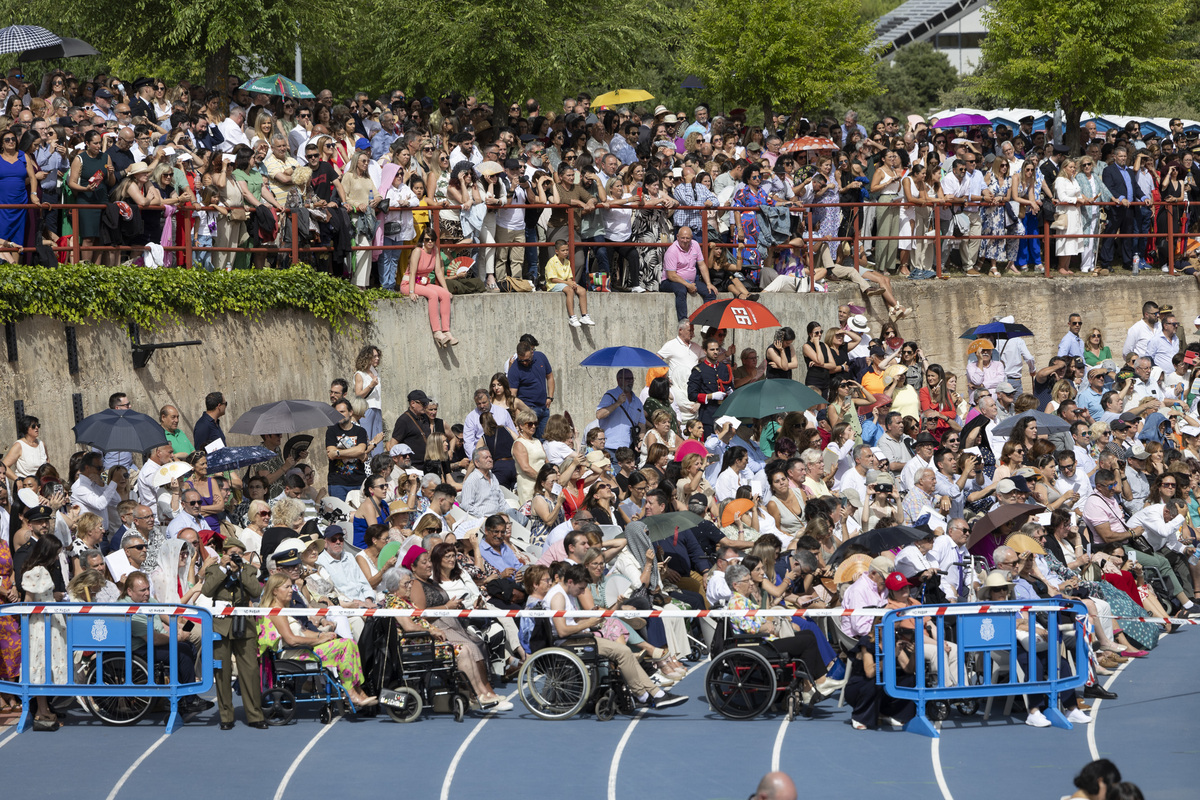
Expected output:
{"points": [[1189, 430], [400, 450]]}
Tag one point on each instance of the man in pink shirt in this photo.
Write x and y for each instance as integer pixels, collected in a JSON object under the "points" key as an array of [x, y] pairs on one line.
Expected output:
{"points": [[682, 264], [868, 591]]}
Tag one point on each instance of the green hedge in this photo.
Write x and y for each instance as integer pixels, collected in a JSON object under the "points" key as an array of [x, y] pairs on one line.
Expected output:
{"points": [[81, 293]]}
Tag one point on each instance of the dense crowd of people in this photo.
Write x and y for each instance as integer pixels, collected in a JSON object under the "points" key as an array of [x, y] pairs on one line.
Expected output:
{"points": [[172, 166], [1078, 478]]}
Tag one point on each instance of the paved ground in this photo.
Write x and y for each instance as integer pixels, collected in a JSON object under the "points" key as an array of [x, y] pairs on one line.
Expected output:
{"points": [[687, 751]]}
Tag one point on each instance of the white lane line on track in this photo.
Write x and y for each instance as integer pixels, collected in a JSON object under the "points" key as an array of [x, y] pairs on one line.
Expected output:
{"points": [[287, 776], [135, 765], [462, 749], [8, 738], [616, 759], [778, 748], [1096, 711], [935, 753]]}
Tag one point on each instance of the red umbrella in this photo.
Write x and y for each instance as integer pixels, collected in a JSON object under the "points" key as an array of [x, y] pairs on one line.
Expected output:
{"points": [[734, 314], [807, 143]]}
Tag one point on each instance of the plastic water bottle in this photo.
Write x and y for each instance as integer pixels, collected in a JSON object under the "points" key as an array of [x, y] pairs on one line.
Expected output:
{"points": [[1194, 558]]}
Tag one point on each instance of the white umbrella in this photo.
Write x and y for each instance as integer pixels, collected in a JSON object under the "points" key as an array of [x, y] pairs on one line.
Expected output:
{"points": [[19, 38], [169, 472]]}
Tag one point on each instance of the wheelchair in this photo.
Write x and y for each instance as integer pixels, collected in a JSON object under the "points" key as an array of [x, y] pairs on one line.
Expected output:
{"points": [[748, 675], [423, 674], [562, 677], [288, 682], [114, 672]]}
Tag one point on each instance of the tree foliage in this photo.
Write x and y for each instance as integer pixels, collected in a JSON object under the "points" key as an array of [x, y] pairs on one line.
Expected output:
{"points": [[795, 53], [912, 81], [515, 47], [1087, 54], [174, 40]]}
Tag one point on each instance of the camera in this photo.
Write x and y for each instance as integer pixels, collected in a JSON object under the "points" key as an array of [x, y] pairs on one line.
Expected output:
{"points": [[235, 560]]}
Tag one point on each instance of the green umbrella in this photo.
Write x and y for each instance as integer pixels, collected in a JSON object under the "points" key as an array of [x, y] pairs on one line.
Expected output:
{"points": [[279, 85], [663, 526], [767, 398]]}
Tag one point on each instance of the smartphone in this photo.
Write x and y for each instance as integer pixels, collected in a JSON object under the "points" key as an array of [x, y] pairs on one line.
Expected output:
{"points": [[1189, 357]]}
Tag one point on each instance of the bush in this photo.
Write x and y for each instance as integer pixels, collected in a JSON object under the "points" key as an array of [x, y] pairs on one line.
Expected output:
{"points": [[82, 293]]}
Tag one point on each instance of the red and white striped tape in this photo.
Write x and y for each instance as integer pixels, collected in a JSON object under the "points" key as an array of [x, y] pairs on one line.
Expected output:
{"points": [[957, 609]]}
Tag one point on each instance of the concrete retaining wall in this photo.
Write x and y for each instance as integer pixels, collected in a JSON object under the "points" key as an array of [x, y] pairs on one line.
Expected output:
{"points": [[291, 355]]}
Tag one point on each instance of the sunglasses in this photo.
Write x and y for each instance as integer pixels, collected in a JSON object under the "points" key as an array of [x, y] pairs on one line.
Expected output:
{"points": [[135, 547], [336, 538]]}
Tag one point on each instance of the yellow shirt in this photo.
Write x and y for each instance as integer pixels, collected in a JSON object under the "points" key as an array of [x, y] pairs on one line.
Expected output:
{"points": [[557, 271], [872, 381]]}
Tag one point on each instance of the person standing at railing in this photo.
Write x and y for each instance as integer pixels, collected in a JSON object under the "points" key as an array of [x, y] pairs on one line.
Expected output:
{"points": [[1070, 197], [998, 217], [1029, 193], [1125, 190], [885, 185], [91, 177], [1092, 191], [1147, 181], [52, 162], [18, 184]]}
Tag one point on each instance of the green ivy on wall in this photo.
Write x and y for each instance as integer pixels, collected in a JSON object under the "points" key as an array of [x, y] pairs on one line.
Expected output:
{"points": [[82, 293]]}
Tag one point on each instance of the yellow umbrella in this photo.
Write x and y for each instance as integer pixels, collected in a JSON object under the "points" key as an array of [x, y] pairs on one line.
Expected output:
{"points": [[621, 97]]}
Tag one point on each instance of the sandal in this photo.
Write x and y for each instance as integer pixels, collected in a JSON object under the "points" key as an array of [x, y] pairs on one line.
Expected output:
{"points": [[995, 273], [49, 723]]}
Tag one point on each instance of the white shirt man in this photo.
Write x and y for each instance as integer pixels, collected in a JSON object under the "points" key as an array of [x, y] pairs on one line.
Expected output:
{"points": [[948, 551], [473, 429], [93, 496], [342, 568], [1160, 532], [231, 129], [1139, 335], [189, 516], [681, 354], [147, 492]]}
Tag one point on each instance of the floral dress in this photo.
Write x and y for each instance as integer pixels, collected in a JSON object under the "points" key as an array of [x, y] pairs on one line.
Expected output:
{"points": [[995, 224], [395, 602], [539, 530], [341, 655], [749, 255], [1143, 634], [10, 626]]}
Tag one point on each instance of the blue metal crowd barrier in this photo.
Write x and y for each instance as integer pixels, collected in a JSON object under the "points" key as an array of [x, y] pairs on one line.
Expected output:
{"points": [[83, 637], [984, 629]]}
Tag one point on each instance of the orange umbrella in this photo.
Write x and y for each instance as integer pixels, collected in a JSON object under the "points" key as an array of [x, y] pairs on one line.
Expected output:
{"points": [[980, 344], [734, 510]]}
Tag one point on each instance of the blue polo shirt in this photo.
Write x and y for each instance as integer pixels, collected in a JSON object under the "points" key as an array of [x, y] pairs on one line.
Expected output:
{"points": [[530, 382], [207, 430], [502, 560]]}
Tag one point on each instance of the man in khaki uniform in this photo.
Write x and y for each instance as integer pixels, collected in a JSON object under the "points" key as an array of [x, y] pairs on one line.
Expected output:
{"points": [[232, 582]]}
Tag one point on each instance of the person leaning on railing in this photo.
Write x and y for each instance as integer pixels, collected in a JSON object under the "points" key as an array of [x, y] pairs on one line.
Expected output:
{"points": [[91, 178]]}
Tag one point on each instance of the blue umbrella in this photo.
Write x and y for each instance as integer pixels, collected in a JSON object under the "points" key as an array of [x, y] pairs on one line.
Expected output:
{"points": [[622, 356], [120, 429], [1002, 330], [230, 458]]}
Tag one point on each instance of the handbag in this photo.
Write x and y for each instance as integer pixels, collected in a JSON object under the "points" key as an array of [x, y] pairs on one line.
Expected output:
{"points": [[510, 284], [1011, 214], [1060, 221], [239, 214], [598, 281], [392, 229]]}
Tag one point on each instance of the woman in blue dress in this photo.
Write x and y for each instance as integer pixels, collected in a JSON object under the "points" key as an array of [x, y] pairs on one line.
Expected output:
{"points": [[18, 184], [750, 196]]}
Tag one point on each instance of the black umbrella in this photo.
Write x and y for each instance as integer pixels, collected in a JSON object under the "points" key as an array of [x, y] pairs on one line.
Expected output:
{"points": [[286, 416], [67, 48], [878, 540], [229, 458], [1046, 423], [120, 429]]}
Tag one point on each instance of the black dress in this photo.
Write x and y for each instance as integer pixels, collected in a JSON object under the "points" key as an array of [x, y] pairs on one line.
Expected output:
{"points": [[783, 373], [817, 377], [503, 467]]}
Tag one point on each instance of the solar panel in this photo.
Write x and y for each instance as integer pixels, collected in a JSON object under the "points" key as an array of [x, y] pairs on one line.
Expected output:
{"points": [[919, 19]]}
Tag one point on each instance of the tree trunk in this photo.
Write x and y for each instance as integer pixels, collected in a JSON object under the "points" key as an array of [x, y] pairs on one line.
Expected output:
{"points": [[216, 69], [1071, 117], [499, 105], [768, 112]]}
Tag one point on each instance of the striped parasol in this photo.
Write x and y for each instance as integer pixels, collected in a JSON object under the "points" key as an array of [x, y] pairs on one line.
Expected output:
{"points": [[808, 143], [280, 86], [19, 38]]}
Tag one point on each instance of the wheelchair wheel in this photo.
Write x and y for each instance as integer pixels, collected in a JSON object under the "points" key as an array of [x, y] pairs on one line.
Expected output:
{"points": [[278, 706], [413, 705], [460, 708], [326, 715], [740, 683], [606, 706], [118, 710], [554, 683]]}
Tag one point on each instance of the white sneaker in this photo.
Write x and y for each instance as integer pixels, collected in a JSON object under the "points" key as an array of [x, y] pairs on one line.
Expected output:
{"points": [[662, 680], [1078, 717], [586, 320], [573, 321], [503, 705], [1037, 719], [1164, 268], [637, 289]]}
